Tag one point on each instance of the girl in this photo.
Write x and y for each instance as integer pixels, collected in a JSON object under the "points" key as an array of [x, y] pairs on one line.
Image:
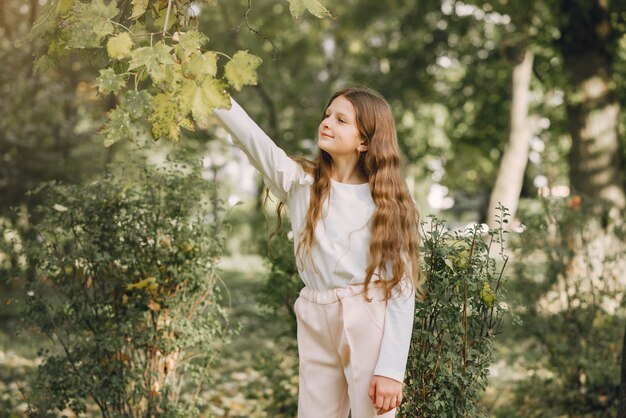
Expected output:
{"points": [[356, 245]]}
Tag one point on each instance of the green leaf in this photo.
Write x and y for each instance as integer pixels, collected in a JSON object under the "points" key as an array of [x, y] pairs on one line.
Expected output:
{"points": [[155, 59], [202, 99], [42, 64], [90, 23], [317, 9], [108, 81], [46, 22], [199, 66], [160, 21], [139, 8], [117, 127], [118, 47], [241, 70], [138, 104]]}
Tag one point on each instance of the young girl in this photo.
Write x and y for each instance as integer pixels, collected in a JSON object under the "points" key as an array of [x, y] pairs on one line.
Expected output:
{"points": [[356, 243]]}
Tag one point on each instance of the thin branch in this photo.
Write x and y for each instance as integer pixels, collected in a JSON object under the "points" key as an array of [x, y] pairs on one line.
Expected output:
{"points": [[167, 16]]}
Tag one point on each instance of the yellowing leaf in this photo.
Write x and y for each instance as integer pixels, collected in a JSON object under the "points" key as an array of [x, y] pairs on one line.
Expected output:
{"points": [[155, 59], [145, 283], [118, 47], [199, 66], [166, 117], [108, 81], [317, 9], [139, 8], [90, 23], [190, 42], [487, 295], [241, 70], [202, 99]]}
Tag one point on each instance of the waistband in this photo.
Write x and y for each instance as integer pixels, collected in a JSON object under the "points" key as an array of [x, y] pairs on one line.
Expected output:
{"points": [[325, 297]]}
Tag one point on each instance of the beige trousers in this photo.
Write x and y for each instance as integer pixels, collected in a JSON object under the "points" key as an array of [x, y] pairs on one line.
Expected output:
{"points": [[339, 338]]}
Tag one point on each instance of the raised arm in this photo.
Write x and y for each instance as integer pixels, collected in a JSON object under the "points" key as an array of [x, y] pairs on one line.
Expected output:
{"points": [[279, 172]]}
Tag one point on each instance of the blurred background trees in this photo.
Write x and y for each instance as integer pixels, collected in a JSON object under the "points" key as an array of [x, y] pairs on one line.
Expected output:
{"points": [[495, 101]]}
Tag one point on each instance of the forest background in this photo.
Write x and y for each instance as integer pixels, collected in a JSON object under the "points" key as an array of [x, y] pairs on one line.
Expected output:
{"points": [[495, 101]]}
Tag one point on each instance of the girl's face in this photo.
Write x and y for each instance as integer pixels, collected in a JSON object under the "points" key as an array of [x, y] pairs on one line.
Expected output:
{"points": [[338, 134]]}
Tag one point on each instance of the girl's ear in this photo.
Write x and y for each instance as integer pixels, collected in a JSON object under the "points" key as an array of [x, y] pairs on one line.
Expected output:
{"points": [[362, 147]]}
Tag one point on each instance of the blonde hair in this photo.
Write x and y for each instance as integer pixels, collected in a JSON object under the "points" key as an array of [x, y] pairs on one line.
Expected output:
{"points": [[395, 237]]}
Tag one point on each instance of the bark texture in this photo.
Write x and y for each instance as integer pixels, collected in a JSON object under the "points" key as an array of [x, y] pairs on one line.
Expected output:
{"points": [[514, 160], [595, 158]]}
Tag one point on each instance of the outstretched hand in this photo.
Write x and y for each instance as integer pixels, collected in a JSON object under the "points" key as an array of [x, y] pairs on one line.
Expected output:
{"points": [[385, 393]]}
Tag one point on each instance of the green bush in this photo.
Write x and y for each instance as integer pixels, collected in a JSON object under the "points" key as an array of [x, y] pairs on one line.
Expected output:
{"points": [[456, 322], [127, 291], [569, 272]]}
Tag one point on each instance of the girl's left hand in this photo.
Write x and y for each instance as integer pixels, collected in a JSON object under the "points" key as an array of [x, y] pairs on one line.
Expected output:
{"points": [[386, 393]]}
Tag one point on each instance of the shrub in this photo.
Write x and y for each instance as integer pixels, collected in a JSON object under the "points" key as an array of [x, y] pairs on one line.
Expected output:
{"points": [[569, 272], [456, 322], [127, 291]]}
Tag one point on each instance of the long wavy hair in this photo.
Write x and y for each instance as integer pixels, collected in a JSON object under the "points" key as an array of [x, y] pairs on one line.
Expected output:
{"points": [[394, 248]]}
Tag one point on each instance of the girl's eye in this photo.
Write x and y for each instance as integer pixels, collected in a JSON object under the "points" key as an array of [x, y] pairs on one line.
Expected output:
{"points": [[341, 120]]}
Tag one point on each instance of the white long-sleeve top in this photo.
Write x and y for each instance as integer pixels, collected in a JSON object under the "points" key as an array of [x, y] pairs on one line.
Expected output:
{"points": [[342, 234]]}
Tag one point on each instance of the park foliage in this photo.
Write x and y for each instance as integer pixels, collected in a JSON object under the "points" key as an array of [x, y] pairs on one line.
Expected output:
{"points": [[127, 291], [152, 57]]}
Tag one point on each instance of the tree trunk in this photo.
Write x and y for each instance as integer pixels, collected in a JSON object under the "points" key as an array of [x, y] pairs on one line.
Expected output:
{"points": [[595, 159], [513, 164], [593, 118]]}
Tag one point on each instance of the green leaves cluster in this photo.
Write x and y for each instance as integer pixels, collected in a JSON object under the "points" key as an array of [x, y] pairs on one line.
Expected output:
{"points": [[149, 51], [174, 79], [456, 322], [128, 291]]}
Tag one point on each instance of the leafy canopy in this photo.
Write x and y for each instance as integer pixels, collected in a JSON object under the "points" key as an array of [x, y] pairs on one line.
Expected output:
{"points": [[156, 63]]}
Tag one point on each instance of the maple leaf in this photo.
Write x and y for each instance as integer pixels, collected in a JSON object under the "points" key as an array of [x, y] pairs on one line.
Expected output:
{"points": [[118, 47], [90, 23], [317, 9], [190, 42], [166, 117], [201, 99], [155, 59], [199, 66], [138, 104], [241, 70], [117, 127], [108, 81], [139, 8]]}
